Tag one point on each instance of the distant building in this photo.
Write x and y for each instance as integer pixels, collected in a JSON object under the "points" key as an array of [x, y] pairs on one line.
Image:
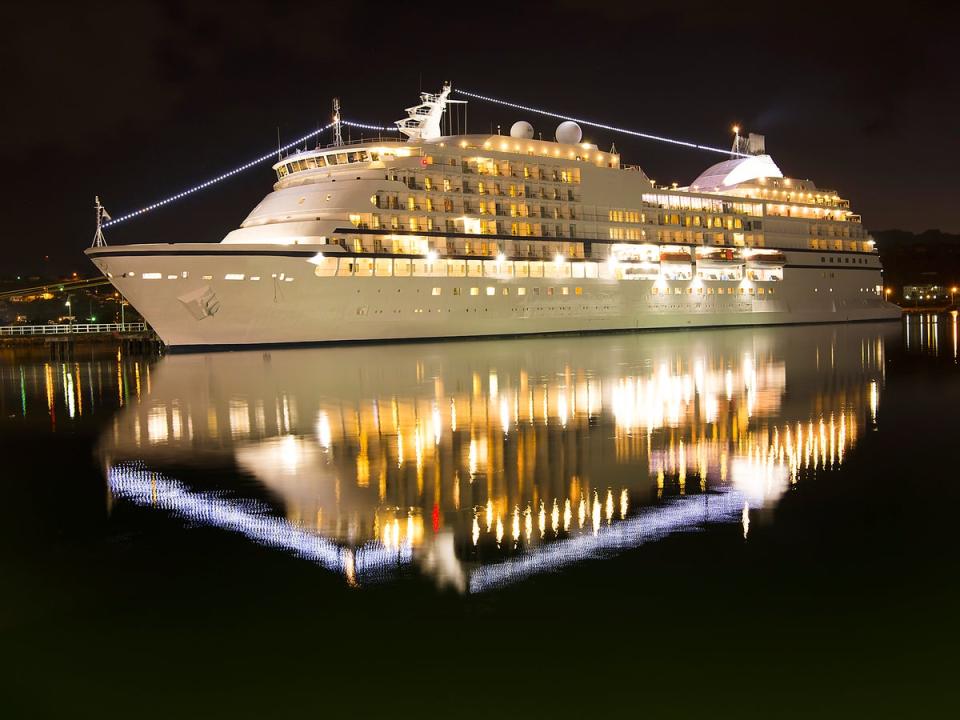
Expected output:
{"points": [[926, 292]]}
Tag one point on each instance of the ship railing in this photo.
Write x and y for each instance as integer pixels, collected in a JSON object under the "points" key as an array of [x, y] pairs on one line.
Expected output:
{"points": [[366, 141], [71, 329]]}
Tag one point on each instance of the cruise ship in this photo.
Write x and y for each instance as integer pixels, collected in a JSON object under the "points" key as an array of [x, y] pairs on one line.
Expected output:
{"points": [[453, 236]]}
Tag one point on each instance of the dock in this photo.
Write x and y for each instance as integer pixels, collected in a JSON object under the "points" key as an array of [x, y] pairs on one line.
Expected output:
{"points": [[61, 340]]}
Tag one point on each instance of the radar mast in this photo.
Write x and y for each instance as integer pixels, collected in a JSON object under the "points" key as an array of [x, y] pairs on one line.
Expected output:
{"points": [[423, 120]]}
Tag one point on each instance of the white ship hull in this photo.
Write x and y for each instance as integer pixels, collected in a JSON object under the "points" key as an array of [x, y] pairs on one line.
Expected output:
{"points": [[183, 293]]}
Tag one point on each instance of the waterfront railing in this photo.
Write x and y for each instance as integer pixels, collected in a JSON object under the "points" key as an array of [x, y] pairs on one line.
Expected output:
{"points": [[71, 329]]}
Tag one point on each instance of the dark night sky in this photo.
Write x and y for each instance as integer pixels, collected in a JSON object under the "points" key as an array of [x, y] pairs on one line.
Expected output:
{"points": [[135, 101]]}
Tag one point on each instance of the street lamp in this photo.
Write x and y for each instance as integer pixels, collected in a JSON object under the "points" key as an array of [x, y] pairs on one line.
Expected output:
{"points": [[953, 291], [69, 307]]}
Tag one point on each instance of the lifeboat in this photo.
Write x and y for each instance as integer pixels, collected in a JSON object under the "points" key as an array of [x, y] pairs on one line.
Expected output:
{"points": [[675, 257], [718, 258], [767, 260]]}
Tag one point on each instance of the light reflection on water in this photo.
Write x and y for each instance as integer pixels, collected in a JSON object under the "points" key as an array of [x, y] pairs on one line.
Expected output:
{"points": [[478, 463], [932, 334], [482, 463]]}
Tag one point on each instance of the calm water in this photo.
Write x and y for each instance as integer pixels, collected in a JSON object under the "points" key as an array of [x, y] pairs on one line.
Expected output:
{"points": [[440, 512]]}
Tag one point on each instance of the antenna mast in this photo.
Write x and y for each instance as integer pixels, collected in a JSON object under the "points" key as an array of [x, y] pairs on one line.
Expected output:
{"points": [[102, 214], [737, 142], [337, 134]]}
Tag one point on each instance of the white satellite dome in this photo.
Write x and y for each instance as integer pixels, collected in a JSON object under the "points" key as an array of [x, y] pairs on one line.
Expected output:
{"points": [[522, 130], [569, 133]]}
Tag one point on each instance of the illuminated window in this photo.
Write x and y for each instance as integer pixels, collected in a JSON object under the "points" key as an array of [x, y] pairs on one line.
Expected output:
{"points": [[579, 291], [207, 277], [549, 291], [564, 291], [474, 291], [157, 276], [228, 276], [436, 291], [521, 291]]}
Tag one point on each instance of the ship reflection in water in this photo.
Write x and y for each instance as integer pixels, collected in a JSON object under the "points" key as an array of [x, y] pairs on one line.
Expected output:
{"points": [[483, 463]]}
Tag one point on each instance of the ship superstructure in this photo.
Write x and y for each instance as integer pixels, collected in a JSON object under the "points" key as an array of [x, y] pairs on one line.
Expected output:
{"points": [[473, 235]]}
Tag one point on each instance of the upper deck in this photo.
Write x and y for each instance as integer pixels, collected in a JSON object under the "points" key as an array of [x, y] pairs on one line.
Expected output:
{"points": [[536, 189]]}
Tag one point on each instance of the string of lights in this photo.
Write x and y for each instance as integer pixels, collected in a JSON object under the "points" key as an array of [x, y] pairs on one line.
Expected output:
{"points": [[246, 166], [602, 126], [364, 126], [213, 181], [378, 128]]}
